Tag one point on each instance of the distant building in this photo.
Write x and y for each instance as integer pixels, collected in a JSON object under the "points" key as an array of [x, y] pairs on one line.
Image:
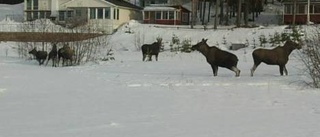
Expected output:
{"points": [[108, 15], [301, 11], [166, 14]]}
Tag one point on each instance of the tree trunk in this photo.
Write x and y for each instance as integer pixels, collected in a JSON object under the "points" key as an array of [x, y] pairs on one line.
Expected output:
{"points": [[294, 12], [216, 14], [239, 13]]}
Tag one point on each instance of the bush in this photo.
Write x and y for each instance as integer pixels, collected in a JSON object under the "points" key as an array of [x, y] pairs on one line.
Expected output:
{"points": [[311, 59]]}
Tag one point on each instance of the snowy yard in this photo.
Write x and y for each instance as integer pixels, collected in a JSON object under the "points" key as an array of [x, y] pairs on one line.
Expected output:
{"points": [[174, 97]]}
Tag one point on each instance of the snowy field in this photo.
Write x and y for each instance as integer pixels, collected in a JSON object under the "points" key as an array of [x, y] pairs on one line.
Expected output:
{"points": [[174, 97]]}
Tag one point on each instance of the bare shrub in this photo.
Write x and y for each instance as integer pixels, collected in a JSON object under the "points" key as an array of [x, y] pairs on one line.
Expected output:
{"points": [[310, 56]]}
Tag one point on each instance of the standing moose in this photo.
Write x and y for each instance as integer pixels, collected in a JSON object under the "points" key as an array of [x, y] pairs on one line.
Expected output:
{"points": [[277, 56], [217, 57], [151, 49], [41, 56], [66, 53], [53, 55]]}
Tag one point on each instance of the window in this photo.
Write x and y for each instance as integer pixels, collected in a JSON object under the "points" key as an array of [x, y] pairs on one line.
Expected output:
{"points": [[107, 13], [29, 5], [158, 14], [35, 4], [301, 9], [171, 15], [316, 8], [69, 14], [100, 13], [35, 15], [29, 17], [146, 14], [185, 17], [92, 13], [78, 13], [118, 13], [42, 15], [287, 9], [61, 15], [165, 15]]}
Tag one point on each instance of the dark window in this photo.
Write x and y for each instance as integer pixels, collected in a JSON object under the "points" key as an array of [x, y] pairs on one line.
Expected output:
{"points": [[301, 9], [78, 13], [165, 15], [171, 15], [35, 15], [35, 4], [146, 14], [158, 14], [69, 14], [316, 8], [100, 13], [29, 5], [42, 14], [61, 15], [92, 13], [287, 9], [118, 13], [107, 13], [29, 17]]}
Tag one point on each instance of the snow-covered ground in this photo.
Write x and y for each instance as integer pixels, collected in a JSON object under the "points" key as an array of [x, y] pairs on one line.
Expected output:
{"points": [[174, 97]]}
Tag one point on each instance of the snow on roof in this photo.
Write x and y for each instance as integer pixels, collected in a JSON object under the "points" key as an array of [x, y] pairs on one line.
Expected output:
{"points": [[152, 8]]}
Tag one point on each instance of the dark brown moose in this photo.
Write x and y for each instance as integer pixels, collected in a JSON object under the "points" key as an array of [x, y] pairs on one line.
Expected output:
{"points": [[151, 49], [277, 56], [53, 55], [217, 57], [41, 56], [66, 53]]}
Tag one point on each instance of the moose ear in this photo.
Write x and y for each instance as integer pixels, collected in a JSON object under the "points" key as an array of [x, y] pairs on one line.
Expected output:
{"points": [[205, 40]]}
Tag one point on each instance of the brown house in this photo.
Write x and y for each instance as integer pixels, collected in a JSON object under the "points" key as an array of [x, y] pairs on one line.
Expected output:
{"points": [[301, 11], [167, 15]]}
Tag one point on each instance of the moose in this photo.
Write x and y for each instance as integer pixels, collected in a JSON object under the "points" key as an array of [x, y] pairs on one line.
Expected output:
{"points": [[276, 56], [66, 53], [41, 56], [217, 57], [151, 49], [53, 55]]}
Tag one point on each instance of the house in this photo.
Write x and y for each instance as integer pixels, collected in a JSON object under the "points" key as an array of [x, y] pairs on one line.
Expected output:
{"points": [[166, 14], [107, 15], [301, 11]]}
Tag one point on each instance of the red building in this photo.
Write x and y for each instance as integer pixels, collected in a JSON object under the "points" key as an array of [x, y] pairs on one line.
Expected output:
{"points": [[301, 11], [167, 15]]}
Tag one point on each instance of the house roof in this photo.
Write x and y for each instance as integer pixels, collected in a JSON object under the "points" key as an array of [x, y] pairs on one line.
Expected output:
{"points": [[124, 4]]}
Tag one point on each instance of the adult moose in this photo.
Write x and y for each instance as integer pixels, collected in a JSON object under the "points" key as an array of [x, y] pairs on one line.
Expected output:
{"points": [[41, 56], [66, 53], [53, 55], [276, 56], [217, 57], [151, 49]]}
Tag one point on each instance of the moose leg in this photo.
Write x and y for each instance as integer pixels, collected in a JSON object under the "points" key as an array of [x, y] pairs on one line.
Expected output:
{"points": [[254, 67], [156, 57], [214, 69], [282, 69], [143, 57], [236, 70], [285, 70], [150, 57]]}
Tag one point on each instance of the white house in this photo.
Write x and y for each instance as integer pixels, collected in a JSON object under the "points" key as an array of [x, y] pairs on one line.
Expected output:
{"points": [[107, 15]]}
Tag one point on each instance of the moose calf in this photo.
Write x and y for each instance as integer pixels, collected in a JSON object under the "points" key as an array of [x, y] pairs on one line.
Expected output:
{"points": [[41, 56]]}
